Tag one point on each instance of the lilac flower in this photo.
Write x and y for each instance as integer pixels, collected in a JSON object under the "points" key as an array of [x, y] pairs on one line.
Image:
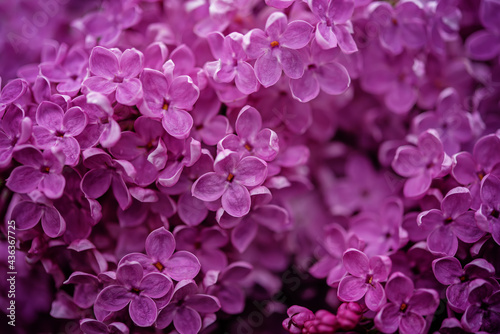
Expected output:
{"points": [[230, 180], [483, 312], [403, 26], [160, 246], [451, 122], [137, 289], [366, 276], [421, 164], [144, 148], [68, 71], [488, 214], [168, 99], [104, 173], [57, 128], [453, 221], [275, 49], [15, 130], [251, 138], [330, 265], [116, 71], [334, 26], [185, 308], [205, 244], [40, 171], [225, 286], [28, 213], [231, 64], [322, 72], [469, 169], [406, 306], [349, 315], [448, 271]]}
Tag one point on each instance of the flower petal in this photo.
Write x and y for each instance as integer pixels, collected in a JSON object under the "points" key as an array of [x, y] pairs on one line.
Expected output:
{"points": [[236, 200]]}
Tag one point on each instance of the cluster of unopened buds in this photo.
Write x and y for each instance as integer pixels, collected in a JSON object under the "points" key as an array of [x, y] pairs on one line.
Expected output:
{"points": [[212, 166]]}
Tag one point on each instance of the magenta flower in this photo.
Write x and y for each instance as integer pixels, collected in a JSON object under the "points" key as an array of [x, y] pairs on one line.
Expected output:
{"points": [[448, 271], [12, 91], [168, 99], [40, 171], [366, 276], [160, 246], [57, 128], [406, 306], [421, 164], [297, 317], [231, 64], [144, 148], [185, 308], [182, 153], [251, 138], [137, 289], [225, 286], [28, 213], [401, 26], [334, 27], [322, 72], [116, 71], [453, 221], [275, 48], [230, 180], [104, 173], [483, 312]]}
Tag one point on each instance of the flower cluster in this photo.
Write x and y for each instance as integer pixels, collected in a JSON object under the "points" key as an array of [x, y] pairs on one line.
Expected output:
{"points": [[218, 165]]}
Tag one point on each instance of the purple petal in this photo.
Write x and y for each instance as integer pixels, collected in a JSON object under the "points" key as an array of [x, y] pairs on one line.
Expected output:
{"points": [[297, 35], [375, 296], [27, 215], [250, 171], [352, 288], [411, 323], [268, 69], [465, 228], [442, 241], [100, 85], [276, 24], [103, 63], [120, 191], [24, 179], [191, 210], [203, 303], [143, 311], [292, 63], [96, 182], [388, 318], [113, 298], [424, 301], [182, 266], [399, 288], [209, 187], [187, 321], [129, 92], [249, 122], [356, 262], [456, 202], [49, 115], [490, 190], [447, 270], [381, 267], [305, 88], [130, 274], [160, 245], [177, 122], [483, 45], [131, 63], [74, 121], [183, 92], [52, 185], [333, 78], [156, 285], [245, 79], [236, 200]]}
